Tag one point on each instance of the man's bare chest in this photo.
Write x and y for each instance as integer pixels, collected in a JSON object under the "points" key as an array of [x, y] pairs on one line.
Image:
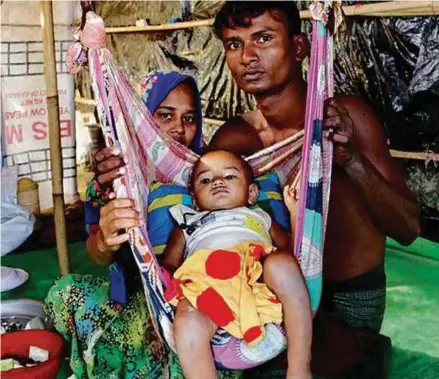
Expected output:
{"points": [[347, 207], [271, 136], [268, 134]]}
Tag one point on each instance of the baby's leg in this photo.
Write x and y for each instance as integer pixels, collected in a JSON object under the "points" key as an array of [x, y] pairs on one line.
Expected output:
{"points": [[283, 276], [193, 331]]}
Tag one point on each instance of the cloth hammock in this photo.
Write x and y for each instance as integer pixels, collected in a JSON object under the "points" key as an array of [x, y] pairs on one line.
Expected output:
{"points": [[154, 156]]}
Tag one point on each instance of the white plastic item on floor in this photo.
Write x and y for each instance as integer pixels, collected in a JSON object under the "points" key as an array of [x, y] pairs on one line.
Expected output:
{"points": [[17, 223], [35, 323], [38, 354], [9, 184], [11, 278]]}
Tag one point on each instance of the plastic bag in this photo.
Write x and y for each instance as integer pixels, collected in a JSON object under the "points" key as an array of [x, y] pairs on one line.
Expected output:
{"points": [[17, 223]]}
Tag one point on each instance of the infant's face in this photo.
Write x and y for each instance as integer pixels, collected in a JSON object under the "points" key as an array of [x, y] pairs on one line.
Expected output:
{"points": [[220, 182]]}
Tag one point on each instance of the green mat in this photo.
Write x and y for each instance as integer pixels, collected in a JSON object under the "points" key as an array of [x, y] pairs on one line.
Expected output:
{"points": [[411, 318], [43, 269], [412, 299]]}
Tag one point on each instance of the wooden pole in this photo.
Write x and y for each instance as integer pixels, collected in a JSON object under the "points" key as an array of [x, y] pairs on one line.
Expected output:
{"points": [[421, 155], [382, 9], [54, 134], [389, 9], [160, 28]]}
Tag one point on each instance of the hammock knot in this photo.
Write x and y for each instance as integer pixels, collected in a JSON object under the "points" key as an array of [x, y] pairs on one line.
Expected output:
{"points": [[91, 36], [76, 57], [328, 12]]}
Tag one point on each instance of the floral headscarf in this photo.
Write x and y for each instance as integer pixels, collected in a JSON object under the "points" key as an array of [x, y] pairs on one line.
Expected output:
{"points": [[156, 86]]}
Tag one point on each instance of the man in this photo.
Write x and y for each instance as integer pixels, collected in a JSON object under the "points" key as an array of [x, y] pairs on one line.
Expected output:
{"points": [[369, 199]]}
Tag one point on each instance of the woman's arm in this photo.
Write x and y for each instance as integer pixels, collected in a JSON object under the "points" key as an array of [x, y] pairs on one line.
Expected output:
{"points": [[97, 251]]}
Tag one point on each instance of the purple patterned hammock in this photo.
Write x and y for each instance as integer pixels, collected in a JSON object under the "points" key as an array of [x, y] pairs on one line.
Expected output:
{"points": [[152, 155]]}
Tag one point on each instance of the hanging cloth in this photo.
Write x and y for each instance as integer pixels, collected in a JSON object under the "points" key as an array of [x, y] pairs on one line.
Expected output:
{"points": [[154, 156]]}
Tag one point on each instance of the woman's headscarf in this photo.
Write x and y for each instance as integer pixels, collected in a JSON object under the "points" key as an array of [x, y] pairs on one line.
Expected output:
{"points": [[156, 86]]}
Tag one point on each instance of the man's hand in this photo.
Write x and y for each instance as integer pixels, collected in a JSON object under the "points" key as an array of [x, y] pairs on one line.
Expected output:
{"points": [[109, 165], [341, 131], [116, 217]]}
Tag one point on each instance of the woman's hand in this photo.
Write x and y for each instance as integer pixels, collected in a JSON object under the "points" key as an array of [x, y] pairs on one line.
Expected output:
{"points": [[109, 165], [116, 218]]}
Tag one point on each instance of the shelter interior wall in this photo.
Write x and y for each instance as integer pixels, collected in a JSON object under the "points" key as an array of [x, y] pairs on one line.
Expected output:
{"points": [[391, 62]]}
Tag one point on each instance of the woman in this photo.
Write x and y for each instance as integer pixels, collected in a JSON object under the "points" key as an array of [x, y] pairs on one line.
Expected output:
{"points": [[108, 341], [174, 102]]}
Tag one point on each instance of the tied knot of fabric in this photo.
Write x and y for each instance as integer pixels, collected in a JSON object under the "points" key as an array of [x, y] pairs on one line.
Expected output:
{"points": [[328, 12], [92, 36], [320, 11]]}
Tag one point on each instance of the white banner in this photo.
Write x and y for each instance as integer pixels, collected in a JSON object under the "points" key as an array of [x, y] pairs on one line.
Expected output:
{"points": [[25, 132]]}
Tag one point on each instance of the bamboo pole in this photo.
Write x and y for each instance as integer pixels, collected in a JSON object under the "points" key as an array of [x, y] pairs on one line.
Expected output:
{"points": [[213, 121], [389, 9], [84, 101], [395, 153], [383, 9], [422, 156], [160, 28], [54, 133]]}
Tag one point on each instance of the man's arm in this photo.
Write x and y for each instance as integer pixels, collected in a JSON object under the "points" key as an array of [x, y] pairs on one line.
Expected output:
{"points": [[370, 166], [173, 255], [238, 136]]}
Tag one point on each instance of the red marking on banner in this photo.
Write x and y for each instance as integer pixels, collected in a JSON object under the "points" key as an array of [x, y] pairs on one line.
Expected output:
{"points": [[14, 131]]}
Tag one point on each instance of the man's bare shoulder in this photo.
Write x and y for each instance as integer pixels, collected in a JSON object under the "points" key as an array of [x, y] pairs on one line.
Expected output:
{"points": [[370, 139], [236, 125], [354, 104], [236, 135]]}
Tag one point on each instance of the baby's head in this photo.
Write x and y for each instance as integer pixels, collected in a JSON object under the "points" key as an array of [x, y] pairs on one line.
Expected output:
{"points": [[223, 180]]}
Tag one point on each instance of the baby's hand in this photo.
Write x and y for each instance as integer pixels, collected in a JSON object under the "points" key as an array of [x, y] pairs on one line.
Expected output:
{"points": [[291, 199]]}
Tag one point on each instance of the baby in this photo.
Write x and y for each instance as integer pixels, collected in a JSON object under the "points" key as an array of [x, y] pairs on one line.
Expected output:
{"points": [[233, 269]]}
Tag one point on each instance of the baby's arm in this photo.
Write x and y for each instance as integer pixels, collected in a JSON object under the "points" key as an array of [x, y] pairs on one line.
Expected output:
{"points": [[173, 255], [281, 239]]}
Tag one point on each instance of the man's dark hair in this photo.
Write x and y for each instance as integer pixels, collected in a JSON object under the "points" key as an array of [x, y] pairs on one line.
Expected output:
{"points": [[240, 14], [245, 165]]}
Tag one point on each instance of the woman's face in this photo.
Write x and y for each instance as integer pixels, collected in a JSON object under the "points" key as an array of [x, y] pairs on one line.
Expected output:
{"points": [[176, 114]]}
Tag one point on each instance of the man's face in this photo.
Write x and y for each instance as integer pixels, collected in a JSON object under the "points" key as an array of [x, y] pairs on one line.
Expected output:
{"points": [[262, 56]]}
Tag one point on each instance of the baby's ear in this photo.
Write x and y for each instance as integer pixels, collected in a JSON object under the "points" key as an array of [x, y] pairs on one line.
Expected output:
{"points": [[253, 193]]}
